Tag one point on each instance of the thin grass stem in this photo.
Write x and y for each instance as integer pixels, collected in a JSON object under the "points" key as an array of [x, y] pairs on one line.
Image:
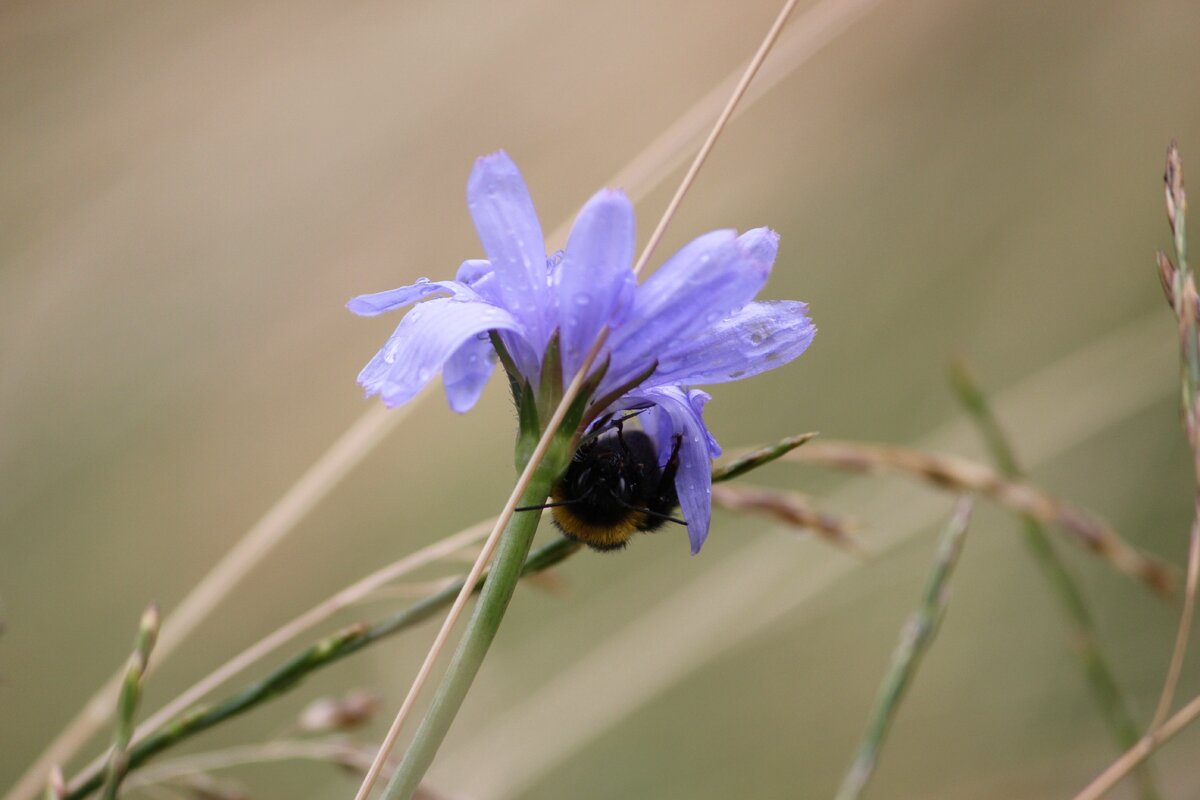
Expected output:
{"points": [[1103, 683], [915, 639], [1139, 752], [1184, 302], [337, 752]]}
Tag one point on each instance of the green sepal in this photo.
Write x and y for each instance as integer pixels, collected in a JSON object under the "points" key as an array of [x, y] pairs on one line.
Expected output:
{"points": [[530, 428], [510, 367], [607, 400], [573, 422], [550, 388]]}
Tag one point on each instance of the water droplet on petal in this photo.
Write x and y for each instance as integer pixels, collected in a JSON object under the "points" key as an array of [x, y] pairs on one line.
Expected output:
{"points": [[582, 300]]}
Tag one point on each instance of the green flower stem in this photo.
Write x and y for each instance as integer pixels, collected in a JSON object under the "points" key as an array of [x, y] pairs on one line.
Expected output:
{"points": [[480, 631], [1105, 690], [915, 639]]}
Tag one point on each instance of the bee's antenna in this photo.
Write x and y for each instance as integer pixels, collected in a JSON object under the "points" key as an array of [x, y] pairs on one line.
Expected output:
{"points": [[648, 512], [545, 505], [555, 503]]}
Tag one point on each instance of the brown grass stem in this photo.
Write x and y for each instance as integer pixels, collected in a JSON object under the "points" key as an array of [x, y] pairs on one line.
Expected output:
{"points": [[337, 752], [726, 114], [1184, 301], [791, 509], [1138, 753], [963, 475]]}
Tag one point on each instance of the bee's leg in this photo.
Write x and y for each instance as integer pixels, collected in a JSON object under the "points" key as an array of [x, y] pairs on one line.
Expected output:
{"points": [[666, 484], [619, 424]]}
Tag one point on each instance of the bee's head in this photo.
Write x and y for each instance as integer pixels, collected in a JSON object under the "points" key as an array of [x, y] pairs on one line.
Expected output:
{"points": [[604, 471]]}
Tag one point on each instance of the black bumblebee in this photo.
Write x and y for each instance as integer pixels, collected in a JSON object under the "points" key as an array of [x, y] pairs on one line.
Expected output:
{"points": [[614, 488]]}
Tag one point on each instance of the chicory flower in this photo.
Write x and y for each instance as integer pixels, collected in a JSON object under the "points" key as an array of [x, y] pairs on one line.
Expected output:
{"points": [[694, 321]]}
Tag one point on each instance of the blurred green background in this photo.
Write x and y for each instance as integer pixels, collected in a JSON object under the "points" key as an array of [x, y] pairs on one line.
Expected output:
{"points": [[192, 191]]}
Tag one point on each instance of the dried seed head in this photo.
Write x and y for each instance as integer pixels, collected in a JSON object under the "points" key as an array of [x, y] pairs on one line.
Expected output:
{"points": [[1173, 180], [56, 784], [329, 714], [790, 508], [1167, 272]]}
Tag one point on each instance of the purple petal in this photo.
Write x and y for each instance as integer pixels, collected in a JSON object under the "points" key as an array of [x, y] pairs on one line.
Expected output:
{"points": [[680, 412], [511, 235], [761, 244], [479, 275], [595, 281], [756, 338], [372, 305], [467, 372], [426, 337], [702, 284]]}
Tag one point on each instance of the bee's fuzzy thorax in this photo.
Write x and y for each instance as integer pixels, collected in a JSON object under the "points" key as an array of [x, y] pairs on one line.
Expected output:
{"points": [[613, 488]]}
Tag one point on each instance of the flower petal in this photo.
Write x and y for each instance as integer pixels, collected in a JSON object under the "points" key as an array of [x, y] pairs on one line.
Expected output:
{"points": [[755, 338], [426, 337], [680, 412], [595, 281], [479, 275], [372, 305], [467, 372], [703, 283], [511, 235]]}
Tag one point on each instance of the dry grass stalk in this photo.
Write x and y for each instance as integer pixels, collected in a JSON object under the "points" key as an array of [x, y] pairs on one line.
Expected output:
{"points": [[1138, 753], [959, 474], [791, 509], [1182, 296]]}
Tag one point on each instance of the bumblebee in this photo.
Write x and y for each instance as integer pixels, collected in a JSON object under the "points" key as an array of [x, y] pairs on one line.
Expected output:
{"points": [[614, 488]]}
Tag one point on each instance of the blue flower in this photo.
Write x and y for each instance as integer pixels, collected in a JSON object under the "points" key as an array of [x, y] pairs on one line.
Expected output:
{"points": [[694, 321]]}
